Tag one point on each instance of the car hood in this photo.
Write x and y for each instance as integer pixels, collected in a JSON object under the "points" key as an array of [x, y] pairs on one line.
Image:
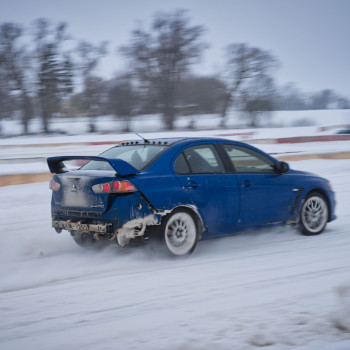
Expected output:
{"points": [[299, 172], [311, 175]]}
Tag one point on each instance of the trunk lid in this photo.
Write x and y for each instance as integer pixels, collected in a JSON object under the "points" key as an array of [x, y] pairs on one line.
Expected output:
{"points": [[76, 194]]}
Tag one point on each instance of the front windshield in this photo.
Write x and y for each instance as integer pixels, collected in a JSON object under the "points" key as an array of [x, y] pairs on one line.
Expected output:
{"points": [[139, 156]]}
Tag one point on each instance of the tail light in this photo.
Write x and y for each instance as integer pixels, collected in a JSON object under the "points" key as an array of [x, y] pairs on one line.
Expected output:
{"points": [[114, 187], [54, 185]]}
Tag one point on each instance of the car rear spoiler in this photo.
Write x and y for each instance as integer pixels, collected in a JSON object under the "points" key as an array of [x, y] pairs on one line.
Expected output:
{"points": [[122, 168]]}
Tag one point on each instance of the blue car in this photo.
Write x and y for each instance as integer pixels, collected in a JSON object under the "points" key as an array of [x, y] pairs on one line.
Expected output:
{"points": [[178, 191]]}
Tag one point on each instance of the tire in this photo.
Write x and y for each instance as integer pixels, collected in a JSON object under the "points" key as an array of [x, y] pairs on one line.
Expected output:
{"points": [[178, 233], [85, 240], [313, 214]]}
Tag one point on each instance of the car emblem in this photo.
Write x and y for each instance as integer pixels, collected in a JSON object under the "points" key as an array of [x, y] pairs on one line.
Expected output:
{"points": [[74, 188]]}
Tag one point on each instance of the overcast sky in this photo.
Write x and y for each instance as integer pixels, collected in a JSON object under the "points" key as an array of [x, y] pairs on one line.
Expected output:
{"points": [[311, 38]]}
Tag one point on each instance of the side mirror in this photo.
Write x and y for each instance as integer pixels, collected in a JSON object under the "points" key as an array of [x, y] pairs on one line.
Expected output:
{"points": [[283, 168]]}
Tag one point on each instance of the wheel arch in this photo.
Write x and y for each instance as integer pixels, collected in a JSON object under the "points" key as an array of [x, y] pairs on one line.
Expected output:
{"points": [[321, 192], [194, 211]]}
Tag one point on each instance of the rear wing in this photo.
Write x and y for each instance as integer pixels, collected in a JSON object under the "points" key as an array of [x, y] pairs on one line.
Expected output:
{"points": [[122, 168]]}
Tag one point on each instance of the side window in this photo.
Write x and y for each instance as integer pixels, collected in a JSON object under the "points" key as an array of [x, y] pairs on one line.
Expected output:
{"points": [[201, 159], [181, 166], [246, 160]]}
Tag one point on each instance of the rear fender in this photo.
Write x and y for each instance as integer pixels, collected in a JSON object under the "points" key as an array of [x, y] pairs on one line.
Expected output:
{"points": [[188, 207], [151, 217]]}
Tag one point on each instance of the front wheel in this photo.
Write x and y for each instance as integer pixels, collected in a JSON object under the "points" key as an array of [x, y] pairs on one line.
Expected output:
{"points": [[179, 232], [313, 214]]}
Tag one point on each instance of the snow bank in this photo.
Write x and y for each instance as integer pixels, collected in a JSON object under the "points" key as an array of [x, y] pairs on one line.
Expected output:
{"points": [[154, 123]]}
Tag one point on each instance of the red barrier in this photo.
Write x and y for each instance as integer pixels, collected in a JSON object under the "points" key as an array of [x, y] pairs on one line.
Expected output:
{"points": [[249, 133], [321, 138]]}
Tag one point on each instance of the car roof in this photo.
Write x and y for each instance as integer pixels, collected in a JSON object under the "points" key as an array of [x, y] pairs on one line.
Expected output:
{"points": [[154, 141], [172, 140]]}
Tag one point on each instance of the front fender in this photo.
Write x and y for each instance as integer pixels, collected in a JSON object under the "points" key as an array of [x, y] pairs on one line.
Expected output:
{"points": [[328, 194]]}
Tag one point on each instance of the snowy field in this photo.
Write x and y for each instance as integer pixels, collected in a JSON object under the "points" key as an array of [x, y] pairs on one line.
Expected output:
{"points": [[27, 154], [32, 159], [274, 289], [153, 123]]}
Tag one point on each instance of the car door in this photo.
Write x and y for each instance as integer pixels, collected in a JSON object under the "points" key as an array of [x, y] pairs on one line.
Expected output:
{"points": [[209, 187], [266, 196]]}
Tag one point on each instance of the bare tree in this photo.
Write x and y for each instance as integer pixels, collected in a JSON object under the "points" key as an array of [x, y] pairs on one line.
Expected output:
{"points": [[160, 57], [54, 68], [94, 99], [200, 94], [323, 99], [123, 99], [258, 98], [89, 57], [7, 105], [290, 98], [14, 68], [243, 63]]}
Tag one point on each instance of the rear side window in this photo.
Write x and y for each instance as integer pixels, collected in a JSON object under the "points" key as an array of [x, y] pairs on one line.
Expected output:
{"points": [[139, 156], [201, 159], [181, 165]]}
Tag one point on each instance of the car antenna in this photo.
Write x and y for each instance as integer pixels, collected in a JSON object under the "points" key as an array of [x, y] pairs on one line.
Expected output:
{"points": [[146, 141]]}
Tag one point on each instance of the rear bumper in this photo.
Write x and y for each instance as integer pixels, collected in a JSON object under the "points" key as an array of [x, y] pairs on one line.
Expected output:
{"points": [[126, 218], [101, 228], [120, 210]]}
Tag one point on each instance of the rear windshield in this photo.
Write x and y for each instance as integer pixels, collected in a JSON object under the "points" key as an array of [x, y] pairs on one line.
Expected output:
{"points": [[139, 156]]}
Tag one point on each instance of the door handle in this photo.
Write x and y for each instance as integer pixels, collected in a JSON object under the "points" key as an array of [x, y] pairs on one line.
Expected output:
{"points": [[246, 183], [192, 185]]}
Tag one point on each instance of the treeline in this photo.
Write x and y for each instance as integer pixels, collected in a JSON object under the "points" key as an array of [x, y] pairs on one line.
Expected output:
{"points": [[45, 72]]}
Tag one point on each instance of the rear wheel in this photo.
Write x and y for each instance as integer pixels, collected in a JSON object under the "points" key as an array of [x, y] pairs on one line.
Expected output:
{"points": [[86, 240], [179, 232], [313, 214]]}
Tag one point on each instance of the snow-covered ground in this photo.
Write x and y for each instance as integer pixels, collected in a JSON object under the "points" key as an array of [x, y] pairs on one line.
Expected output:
{"points": [[274, 289], [22, 160], [27, 154], [153, 123]]}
